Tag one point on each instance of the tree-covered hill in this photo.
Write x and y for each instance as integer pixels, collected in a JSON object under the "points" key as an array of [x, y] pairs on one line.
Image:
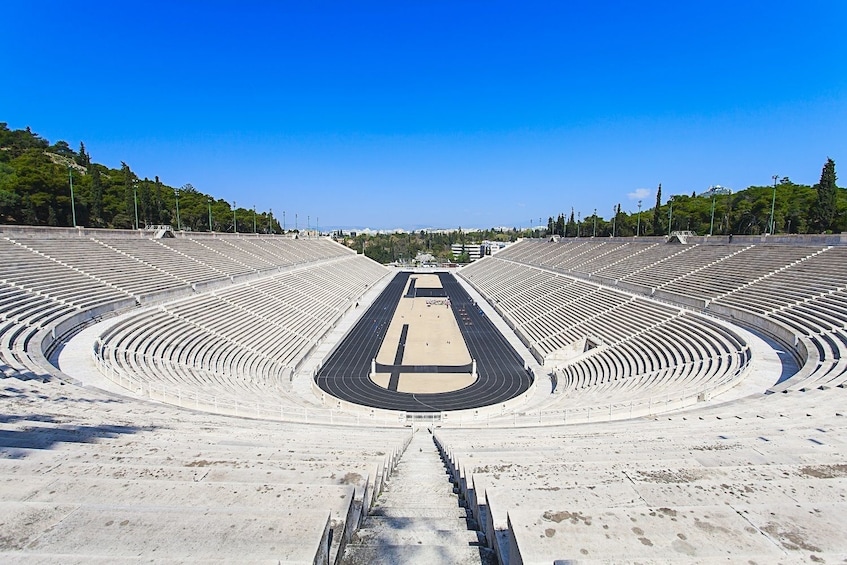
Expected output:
{"points": [[35, 189], [36, 178]]}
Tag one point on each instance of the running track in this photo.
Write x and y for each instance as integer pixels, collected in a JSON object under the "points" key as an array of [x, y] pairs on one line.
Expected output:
{"points": [[500, 370]]}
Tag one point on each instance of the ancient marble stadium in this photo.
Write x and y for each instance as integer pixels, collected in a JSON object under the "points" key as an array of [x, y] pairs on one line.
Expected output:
{"points": [[213, 397]]}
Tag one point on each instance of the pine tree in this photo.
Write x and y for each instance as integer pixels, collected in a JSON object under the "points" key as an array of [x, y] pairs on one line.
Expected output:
{"points": [[825, 211], [83, 158], [657, 217]]}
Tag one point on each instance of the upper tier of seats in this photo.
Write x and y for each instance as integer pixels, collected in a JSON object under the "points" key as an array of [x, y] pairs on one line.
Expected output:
{"points": [[239, 344], [609, 346], [799, 289], [52, 282]]}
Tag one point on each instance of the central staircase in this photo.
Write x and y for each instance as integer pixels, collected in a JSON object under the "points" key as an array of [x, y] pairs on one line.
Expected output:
{"points": [[418, 518]]}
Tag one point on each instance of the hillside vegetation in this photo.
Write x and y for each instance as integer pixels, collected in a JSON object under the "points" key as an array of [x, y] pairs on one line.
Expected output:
{"points": [[36, 176], [35, 180]]}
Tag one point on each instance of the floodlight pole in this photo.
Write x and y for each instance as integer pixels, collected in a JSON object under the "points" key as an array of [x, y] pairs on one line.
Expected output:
{"points": [[670, 216], [638, 225], [210, 215], [773, 203], [271, 221], [254, 218], [234, 221], [135, 200], [712, 224], [71, 181], [594, 233], [614, 219], [283, 221], [176, 195]]}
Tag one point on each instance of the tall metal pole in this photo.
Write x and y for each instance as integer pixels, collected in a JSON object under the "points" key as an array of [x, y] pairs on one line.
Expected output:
{"points": [[271, 221], [234, 221], [254, 218], [283, 221], [578, 222], [670, 216], [638, 225], [210, 216], [135, 200], [594, 233], [712, 224], [614, 219], [178, 225], [71, 181], [773, 203]]}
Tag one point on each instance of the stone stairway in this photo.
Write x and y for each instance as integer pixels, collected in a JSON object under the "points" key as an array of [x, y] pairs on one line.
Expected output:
{"points": [[418, 518]]}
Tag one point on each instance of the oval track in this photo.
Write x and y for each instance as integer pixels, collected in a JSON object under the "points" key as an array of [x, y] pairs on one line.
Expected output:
{"points": [[500, 370]]}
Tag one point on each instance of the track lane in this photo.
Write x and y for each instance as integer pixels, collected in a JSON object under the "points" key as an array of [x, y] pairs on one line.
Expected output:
{"points": [[500, 370]]}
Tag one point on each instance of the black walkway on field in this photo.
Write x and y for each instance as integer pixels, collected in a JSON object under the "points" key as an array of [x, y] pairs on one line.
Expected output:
{"points": [[500, 370]]}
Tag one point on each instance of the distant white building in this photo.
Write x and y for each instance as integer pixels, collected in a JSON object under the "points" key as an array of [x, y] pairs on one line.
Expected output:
{"points": [[475, 251], [492, 247]]}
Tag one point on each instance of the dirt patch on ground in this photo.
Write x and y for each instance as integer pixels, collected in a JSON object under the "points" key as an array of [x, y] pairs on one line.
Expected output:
{"points": [[669, 476], [572, 517], [824, 471], [790, 537]]}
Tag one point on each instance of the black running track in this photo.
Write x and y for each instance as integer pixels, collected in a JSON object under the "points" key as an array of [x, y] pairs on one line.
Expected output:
{"points": [[500, 370]]}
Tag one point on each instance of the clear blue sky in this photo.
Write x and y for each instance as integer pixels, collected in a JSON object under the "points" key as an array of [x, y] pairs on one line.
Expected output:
{"points": [[434, 113]]}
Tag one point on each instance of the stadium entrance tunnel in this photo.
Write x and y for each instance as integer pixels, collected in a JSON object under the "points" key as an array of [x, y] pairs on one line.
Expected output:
{"points": [[424, 345]]}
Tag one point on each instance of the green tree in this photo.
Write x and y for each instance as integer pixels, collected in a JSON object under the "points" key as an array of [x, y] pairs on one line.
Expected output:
{"points": [[825, 209]]}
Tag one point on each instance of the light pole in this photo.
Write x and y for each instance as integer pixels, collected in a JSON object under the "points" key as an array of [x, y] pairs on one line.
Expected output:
{"points": [[234, 221], [176, 195], [283, 221], [135, 200], [773, 203], [594, 233], [712, 223], [71, 181], [614, 219], [578, 222], [254, 218], [271, 221], [638, 225], [670, 215], [210, 215]]}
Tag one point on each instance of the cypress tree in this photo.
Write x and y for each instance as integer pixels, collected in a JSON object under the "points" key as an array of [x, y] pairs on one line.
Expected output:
{"points": [[825, 209], [657, 217]]}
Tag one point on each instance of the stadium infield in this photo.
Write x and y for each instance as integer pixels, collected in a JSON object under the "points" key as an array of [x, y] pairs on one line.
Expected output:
{"points": [[423, 334]]}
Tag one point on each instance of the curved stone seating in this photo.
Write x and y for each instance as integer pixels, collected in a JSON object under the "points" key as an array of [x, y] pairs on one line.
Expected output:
{"points": [[152, 252], [648, 348], [795, 288], [241, 343]]}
